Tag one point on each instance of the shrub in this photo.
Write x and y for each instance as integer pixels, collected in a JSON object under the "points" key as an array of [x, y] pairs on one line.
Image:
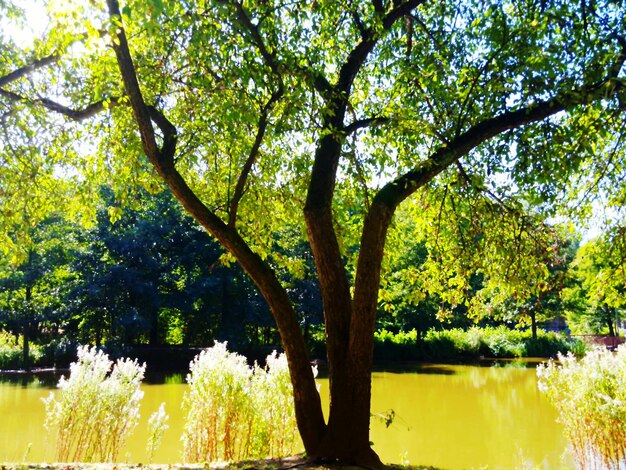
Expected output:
{"points": [[10, 357], [493, 342], [275, 431], [96, 408], [503, 342], [590, 396], [11, 352], [236, 412]]}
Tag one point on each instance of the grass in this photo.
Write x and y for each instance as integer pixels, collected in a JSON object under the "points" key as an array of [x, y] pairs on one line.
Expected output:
{"points": [[236, 412], [96, 408], [590, 396]]}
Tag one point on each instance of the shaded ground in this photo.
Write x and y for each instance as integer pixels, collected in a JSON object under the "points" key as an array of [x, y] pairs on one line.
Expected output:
{"points": [[287, 463]]}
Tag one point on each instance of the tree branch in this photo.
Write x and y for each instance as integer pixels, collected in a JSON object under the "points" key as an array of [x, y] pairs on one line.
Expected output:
{"points": [[396, 191], [359, 54], [131, 84], [28, 69], [366, 122], [170, 134], [378, 6], [269, 57], [359, 24], [39, 63], [74, 114], [307, 403], [252, 157]]}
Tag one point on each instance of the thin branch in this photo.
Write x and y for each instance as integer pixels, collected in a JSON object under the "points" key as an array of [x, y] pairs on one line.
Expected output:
{"points": [[252, 157], [40, 63], [273, 64], [359, 54], [434, 112], [396, 191], [269, 57], [409, 38], [421, 24], [366, 122], [466, 101], [359, 23], [74, 114]]}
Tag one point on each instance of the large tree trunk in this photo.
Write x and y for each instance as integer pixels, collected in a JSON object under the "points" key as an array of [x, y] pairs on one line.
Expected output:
{"points": [[350, 321]]}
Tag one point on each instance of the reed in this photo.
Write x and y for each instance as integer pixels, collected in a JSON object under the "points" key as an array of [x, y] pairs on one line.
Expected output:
{"points": [[96, 408], [236, 412], [590, 396], [157, 425]]}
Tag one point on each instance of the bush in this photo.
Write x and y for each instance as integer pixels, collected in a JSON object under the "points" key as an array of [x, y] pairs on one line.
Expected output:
{"points": [[10, 357], [235, 412], [96, 409], [590, 396], [11, 352], [492, 342]]}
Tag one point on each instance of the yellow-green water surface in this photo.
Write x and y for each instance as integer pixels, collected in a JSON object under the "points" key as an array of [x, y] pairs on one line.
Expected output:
{"points": [[447, 416]]}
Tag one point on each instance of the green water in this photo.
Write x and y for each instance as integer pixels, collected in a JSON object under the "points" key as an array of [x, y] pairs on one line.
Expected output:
{"points": [[447, 416]]}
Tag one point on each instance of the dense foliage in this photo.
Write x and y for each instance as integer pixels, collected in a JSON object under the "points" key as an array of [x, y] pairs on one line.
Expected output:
{"points": [[472, 344]]}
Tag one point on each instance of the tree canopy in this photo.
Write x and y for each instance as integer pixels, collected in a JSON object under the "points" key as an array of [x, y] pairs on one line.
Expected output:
{"points": [[324, 115]]}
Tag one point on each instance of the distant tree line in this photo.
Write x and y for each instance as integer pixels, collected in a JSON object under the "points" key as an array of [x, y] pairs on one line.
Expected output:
{"points": [[150, 276]]}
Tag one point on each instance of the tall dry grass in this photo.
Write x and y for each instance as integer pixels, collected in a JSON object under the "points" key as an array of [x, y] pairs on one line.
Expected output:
{"points": [[96, 408], [590, 396], [235, 412]]}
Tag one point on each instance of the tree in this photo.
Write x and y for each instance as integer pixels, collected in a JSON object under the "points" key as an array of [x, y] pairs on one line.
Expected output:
{"points": [[534, 295], [31, 292], [329, 114], [595, 299]]}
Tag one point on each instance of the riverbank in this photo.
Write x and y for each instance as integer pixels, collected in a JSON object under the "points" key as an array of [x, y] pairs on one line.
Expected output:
{"points": [[441, 346], [293, 462]]}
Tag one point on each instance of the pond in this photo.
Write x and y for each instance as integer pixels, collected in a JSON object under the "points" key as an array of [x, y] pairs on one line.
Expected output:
{"points": [[447, 416]]}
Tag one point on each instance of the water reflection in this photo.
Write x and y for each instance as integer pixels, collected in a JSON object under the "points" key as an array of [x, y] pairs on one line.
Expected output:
{"points": [[47, 379], [446, 416]]}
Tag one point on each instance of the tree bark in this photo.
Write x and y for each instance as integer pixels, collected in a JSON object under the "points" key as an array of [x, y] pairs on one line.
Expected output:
{"points": [[26, 346], [533, 324]]}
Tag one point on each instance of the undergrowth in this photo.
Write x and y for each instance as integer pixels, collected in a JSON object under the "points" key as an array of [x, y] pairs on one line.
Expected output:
{"points": [[11, 353]]}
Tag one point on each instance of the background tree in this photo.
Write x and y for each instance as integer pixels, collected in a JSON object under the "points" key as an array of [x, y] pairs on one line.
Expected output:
{"points": [[32, 292], [328, 115], [596, 300]]}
